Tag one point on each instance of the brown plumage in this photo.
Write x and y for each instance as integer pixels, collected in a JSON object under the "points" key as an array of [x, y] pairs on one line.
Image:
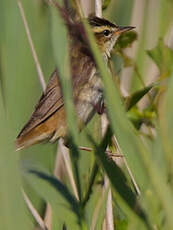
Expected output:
{"points": [[48, 120]]}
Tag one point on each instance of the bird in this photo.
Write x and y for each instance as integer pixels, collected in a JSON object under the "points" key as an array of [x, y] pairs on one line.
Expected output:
{"points": [[48, 120]]}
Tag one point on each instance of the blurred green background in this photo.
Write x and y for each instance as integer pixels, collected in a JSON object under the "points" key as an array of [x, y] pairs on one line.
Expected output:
{"points": [[20, 90]]}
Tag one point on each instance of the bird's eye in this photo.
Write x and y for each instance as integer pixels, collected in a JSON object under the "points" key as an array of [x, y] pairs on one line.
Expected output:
{"points": [[106, 32]]}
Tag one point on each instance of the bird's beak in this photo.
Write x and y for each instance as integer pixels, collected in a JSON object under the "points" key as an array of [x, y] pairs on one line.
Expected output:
{"points": [[122, 29]]}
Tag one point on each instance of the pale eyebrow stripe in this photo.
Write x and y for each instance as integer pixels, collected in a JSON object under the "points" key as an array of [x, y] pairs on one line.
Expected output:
{"points": [[100, 29]]}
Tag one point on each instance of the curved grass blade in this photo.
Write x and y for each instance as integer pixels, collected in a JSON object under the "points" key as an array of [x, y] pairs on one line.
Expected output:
{"points": [[61, 52], [162, 55], [65, 208], [136, 97], [91, 183], [62, 189], [10, 195], [117, 177], [122, 128], [137, 153]]}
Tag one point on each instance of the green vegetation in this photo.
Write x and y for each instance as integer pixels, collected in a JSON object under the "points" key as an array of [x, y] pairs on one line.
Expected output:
{"points": [[88, 188]]}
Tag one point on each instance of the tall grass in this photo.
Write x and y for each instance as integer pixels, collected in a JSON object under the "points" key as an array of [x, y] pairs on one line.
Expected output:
{"points": [[88, 190]]}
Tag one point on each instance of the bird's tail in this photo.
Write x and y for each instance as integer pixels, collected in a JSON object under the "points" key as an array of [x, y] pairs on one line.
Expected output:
{"points": [[51, 129]]}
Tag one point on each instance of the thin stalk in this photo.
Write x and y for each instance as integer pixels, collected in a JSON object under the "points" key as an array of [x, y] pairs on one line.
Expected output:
{"points": [[108, 152], [58, 168], [97, 209], [67, 161], [34, 212], [109, 210], [34, 54], [98, 8], [128, 168]]}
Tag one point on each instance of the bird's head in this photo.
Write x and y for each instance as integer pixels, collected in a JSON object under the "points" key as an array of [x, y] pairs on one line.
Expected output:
{"points": [[106, 33]]}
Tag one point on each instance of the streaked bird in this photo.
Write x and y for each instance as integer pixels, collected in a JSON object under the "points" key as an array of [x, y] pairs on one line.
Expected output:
{"points": [[48, 121]]}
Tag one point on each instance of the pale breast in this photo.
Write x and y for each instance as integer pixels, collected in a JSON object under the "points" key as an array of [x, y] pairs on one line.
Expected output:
{"points": [[88, 98]]}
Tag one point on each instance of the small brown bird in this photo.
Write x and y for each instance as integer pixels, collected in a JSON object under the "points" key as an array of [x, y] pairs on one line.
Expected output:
{"points": [[48, 120]]}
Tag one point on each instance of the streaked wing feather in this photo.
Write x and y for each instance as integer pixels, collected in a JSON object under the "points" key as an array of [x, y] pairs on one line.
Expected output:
{"points": [[48, 104]]}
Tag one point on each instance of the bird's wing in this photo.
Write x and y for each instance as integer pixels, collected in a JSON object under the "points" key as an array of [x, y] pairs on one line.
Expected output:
{"points": [[52, 100], [48, 104]]}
